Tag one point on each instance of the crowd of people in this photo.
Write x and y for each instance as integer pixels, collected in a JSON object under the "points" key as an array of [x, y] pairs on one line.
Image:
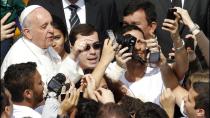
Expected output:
{"points": [[104, 59]]}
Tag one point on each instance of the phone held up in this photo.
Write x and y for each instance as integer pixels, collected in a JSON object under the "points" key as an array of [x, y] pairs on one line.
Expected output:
{"points": [[170, 13]]}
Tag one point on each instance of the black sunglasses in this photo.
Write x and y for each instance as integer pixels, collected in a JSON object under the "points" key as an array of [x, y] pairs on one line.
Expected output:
{"points": [[95, 46]]}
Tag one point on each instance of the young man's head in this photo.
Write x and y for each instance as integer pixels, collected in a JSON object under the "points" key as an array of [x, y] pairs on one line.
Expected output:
{"points": [[88, 58], [112, 110], [141, 14], [202, 105], [25, 84], [37, 26], [197, 94], [6, 102], [151, 110]]}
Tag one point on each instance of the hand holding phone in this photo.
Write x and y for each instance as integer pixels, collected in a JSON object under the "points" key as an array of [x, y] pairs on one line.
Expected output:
{"points": [[189, 42]]}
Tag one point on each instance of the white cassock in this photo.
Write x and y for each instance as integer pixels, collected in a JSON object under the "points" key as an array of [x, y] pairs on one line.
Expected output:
{"points": [[24, 50]]}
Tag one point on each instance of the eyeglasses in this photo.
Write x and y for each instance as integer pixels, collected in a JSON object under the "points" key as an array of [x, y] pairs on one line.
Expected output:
{"points": [[95, 46]]}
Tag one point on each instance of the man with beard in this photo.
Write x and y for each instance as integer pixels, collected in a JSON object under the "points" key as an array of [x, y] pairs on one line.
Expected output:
{"points": [[26, 87]]}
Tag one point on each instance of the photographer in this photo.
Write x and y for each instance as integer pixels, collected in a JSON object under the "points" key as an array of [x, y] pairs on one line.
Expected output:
{"points": [[143, 81]]}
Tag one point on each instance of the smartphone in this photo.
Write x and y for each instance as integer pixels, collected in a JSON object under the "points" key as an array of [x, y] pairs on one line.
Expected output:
{"points": [[111, 35], [189, 42], [170, 14]]}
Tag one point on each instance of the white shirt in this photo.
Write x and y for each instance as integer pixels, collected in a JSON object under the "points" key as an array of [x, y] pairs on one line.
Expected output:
{"points": [[24, 50], [182, 3], [24, 111], [81, 12], [148, 88]]}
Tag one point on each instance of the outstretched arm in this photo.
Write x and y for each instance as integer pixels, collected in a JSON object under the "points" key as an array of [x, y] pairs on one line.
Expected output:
{"points": [[181, 64]]}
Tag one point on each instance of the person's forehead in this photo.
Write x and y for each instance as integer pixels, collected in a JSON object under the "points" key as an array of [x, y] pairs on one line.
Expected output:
{"points": [[135, 33], [89, 39], [40, 13], [134, 17]]}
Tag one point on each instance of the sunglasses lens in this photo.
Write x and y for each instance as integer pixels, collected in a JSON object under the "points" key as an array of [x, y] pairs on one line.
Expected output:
{"points": [[97, 46]]}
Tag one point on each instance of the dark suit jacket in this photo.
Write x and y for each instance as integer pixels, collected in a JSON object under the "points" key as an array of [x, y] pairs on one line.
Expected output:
{"points": [[100, 13], [197, 10]]}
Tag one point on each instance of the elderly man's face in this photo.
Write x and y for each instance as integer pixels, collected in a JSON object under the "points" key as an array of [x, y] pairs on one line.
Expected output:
{"points": [[41, 28], [88, 59]]}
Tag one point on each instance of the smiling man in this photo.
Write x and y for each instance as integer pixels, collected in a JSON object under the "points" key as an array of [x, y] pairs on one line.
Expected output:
{"points": [[35, 45]]}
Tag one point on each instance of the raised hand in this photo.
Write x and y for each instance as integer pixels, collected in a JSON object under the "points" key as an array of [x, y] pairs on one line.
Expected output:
{"points": [[104, 95], [7, 29], [167, 100], [122, 57]]}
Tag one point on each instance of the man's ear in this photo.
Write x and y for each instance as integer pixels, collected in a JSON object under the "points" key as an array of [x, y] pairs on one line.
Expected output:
{"points": [[26, 33], [7, 110], [28, 94], [200, 113], [153, 27]]}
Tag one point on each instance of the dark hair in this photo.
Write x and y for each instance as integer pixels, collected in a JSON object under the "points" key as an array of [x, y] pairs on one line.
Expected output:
{"points": [[151, 110], [202, 102], [59, 25], [18, 78], [148, 7], [111, 109], [4, 98], [87, 108], [82, 29], [128, 28], [131, 104], [201, 87]]}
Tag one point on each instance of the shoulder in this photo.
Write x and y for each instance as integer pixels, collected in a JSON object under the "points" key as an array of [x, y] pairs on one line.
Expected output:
{"points": [[23, 111]]}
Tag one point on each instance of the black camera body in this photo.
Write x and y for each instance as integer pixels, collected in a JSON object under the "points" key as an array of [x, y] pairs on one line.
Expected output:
{"points": [[56, 83], [126, 41]]}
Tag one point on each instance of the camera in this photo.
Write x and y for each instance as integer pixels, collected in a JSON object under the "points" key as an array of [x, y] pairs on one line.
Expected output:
{"points": [[56, 83], [170, 13], [126, 41]]}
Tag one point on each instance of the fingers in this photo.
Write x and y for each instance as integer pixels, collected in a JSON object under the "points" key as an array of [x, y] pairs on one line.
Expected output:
{"points": [[8, 26], [169, 24], [126, 55], [120, 52], [3, 20]]}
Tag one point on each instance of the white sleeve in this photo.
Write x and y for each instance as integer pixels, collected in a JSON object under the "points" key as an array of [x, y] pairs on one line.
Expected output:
{"points": [[114, 71], [71, 69]]}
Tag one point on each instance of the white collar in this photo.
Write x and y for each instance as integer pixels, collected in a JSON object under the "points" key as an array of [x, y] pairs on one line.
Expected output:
{"points": [[79, 3], [37, 50], [34, 47]]}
